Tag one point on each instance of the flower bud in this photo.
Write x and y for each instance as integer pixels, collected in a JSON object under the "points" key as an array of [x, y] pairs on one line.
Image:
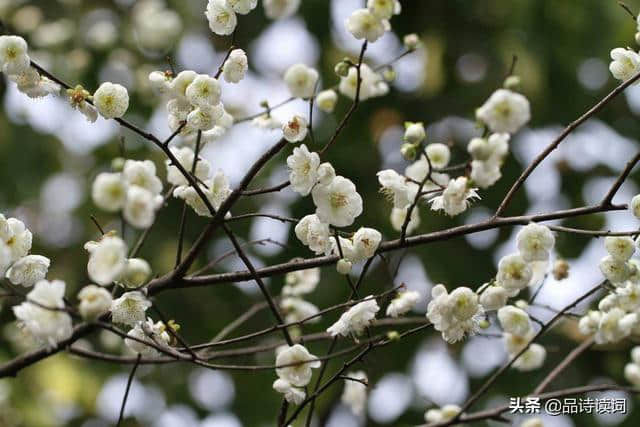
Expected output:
{"points": [[414, 133], [522, 304], [560, 269], [411, 41], [511, 82], [117, 164], [342, 68], [389, 74], [393, 335], [484, 324], [637, 38], [344, 266], [409, 152]]}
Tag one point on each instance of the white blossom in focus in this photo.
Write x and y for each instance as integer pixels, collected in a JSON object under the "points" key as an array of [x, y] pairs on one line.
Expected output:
{"points": [[494, 298], [624, 63], [111, 100], [301, 361], [439, 154], [203, 91], [313, 233], [303, 169], [456, 198], [514, 273], [28, 270], [615, 325], [455, 315], [235, 66], [337, 203], [535, 241], [356, 319], [221, 16], [147, 331], [514, 320], [620, 247], [16, 237], [94, 302], [14, 58], [107, 260], [615, 270], [504, 111], [129, 309], [295, 129], [414, 133], [366, 242]]}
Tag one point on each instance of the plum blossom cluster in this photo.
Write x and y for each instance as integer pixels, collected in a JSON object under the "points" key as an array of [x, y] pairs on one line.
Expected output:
{"points": [[16, 264], [223, 14], [133, 188], [632, 369], [517, 335], [457, 314]]}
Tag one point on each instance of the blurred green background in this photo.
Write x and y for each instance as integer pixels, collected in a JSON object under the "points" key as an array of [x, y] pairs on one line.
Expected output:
{"points": [[48, 163]]}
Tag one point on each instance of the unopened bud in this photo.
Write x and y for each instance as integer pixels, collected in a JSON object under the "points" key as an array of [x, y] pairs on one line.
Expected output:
{"points": [[409, 151], [344, 266], [117, 164], [512, 82], [522, 304], [560, 269], [342, 68], [484, 324], [411, 41], [389, 74], [393, 335]]}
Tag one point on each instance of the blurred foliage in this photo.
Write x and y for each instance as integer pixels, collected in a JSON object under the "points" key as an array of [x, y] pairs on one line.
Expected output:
{"points": [[550, 38]]}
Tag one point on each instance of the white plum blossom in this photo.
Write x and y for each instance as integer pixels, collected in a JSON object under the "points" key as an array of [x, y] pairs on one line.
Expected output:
{"points": [[402, 303], [634, 206], [108, 191], [337, 203], [42, 313], [204, 117], [160, 82], [313, 233], [107, 259], [535, 241], [371, 85], [397, 188], [14, 58], [514, 320], [94, 302], [303, 169], [140, 207], [291, 394], [216, 190], [615, 325], [356, 319], [326, 100], [147, 332], [456, 198], [16, 237], [504, 111], [439, 154], [326, 173], [295, 364], [301, 80], [301, 282], [279, 9], [624, 63], [443, 414], [222, 18], [203, 91], [129, 309], [136, 273], [235, 66], [111, 100], [185, 157], [494, 298], [455, 315], [243, 6], [5, 257], [143, 174], [615, 270], [398, 217], [354, 395], [514, 273], [28, 270], [180, 84], [384, 9], [620, 247], [531, 359], [366, 242], [363, 24], [296, 310], [295, 129]]}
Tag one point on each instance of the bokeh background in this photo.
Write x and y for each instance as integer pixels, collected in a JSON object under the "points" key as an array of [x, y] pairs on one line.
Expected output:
{"points": [[49, 155]]}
